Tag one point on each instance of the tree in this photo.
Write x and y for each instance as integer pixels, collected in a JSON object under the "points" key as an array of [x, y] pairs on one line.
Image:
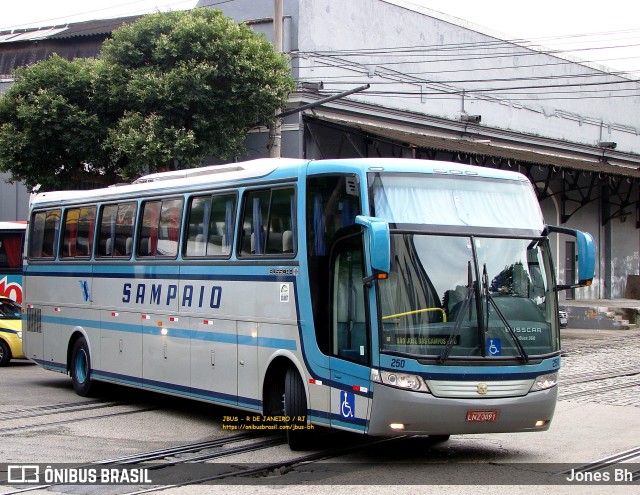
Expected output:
{"points": [[166, 91], [48, 130]]}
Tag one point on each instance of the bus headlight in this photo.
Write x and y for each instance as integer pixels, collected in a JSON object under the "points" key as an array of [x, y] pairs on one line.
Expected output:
{"points": [[399, 380], [544, 382], [20, 334]]}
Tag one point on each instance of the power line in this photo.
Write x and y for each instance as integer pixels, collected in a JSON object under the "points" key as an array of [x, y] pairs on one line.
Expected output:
{"points": [[480, 69]]}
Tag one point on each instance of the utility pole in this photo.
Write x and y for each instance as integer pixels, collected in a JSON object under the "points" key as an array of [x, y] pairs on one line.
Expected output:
{"points": [[275, 129]]}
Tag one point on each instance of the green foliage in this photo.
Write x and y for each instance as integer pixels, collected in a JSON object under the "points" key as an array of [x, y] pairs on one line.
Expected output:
{"points": [[48, 131], [166, 91]]}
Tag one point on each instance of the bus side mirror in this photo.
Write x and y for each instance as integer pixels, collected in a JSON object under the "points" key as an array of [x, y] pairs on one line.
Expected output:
{"points": [[377, 245], [586, 256]]}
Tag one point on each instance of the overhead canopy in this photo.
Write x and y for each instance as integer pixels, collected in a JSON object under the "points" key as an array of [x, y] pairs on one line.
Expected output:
{"points": [[449, 141]]}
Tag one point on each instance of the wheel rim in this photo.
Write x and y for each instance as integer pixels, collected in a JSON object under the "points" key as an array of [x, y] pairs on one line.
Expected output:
{"points": [[81, 366]]}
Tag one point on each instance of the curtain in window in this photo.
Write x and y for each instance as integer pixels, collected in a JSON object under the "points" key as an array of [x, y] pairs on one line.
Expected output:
{"points": [[228, 226], [257, 226], [319, 223], [12, 250]]}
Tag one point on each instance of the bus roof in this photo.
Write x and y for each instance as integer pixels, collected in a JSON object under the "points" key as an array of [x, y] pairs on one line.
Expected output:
{"points": [[252, 171], [14, 225]]}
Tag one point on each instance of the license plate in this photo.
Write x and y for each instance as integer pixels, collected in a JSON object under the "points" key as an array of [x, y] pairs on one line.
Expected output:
{"points": [[482, 416]]}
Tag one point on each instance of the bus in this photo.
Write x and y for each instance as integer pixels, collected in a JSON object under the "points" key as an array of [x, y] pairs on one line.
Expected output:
{"points": [[11, 245], [379, 296]]}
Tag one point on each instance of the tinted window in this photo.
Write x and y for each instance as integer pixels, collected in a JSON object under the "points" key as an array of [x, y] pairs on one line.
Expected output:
{"points": [[44, 234], [115, 237], [160, 229], [79, 225], [268, 225], [210, 230]]}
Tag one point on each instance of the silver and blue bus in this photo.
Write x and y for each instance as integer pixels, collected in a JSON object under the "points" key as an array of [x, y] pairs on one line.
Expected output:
{"points": [[379, 296]]}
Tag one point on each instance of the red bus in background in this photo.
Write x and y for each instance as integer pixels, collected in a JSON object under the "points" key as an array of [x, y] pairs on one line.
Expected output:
{"points": [[11, 246]]}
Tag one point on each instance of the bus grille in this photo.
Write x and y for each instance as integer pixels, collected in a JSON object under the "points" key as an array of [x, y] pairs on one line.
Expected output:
{"points": [[479, 390], [34, 320]]}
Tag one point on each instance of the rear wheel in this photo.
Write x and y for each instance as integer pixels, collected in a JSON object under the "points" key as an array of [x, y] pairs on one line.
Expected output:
{"points": [[295, 407], [5, 353], [81, 368]]}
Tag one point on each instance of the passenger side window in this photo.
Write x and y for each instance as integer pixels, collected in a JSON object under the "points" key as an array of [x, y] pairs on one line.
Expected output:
{"points": [[44, 234], [115, 237], [269, 223], [160, 229], [79, 225], [210, 230]]}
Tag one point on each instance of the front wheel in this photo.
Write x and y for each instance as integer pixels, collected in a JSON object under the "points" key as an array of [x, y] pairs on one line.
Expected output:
{"points": [[80, 367], [5, 354], [295, 408]]}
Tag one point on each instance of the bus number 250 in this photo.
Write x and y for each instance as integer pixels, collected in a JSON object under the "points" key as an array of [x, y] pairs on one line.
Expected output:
{"points": [[397, 363]]}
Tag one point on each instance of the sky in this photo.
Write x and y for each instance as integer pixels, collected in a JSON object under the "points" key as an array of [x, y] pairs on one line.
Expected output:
{"points": [[588, 25]]}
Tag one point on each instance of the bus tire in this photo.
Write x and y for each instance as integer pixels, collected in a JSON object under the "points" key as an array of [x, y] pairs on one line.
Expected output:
{"points": [[5, 354], [295, 408], [80, 367]]}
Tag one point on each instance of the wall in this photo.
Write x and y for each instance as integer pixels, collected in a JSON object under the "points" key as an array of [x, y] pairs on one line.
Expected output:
{"points": [[435, 79], [14, 200]]}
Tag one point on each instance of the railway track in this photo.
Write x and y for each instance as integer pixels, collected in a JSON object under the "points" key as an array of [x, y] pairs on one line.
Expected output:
{"points": [[65, 408], [273, 469], [200, 452], [599, 390], [590, 376], [629, 457], [40, 425]]}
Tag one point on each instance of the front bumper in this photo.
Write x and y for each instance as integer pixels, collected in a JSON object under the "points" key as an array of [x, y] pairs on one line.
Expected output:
{"points": [[422, 413]]}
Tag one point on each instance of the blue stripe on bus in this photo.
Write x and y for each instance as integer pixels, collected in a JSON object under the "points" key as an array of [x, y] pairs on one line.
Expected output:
{"points": [[52, 365], [464, 375], [354, 424], [178, 389], [475, 373], [152, 272], [180, 333]]}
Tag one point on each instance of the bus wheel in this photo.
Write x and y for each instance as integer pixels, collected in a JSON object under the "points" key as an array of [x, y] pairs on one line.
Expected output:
{"points": [[5, 354], [81, 368], [295, 407]]}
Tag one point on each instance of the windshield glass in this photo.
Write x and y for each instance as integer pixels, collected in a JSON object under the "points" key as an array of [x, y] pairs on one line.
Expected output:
{"points": [[9, 310], [460, 201], [474, 297]]}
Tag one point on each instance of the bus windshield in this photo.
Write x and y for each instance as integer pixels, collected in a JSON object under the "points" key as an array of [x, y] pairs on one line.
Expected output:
{"points": [[459, 202], [449, 296]]}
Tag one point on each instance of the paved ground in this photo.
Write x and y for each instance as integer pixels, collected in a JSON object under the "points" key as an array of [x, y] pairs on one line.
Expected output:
{"points": [[597, 353]]}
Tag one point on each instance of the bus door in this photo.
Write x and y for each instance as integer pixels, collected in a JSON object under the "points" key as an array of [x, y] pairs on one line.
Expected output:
{"points": [[351, 336]]}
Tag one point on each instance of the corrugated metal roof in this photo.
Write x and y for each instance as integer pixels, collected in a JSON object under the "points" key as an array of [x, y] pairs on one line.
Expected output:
{"points": [[38, 34], [87, 28]]}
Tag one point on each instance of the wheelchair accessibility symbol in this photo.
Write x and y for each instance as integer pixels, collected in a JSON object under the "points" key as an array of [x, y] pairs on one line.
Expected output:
{"points": [[347, 404], [494, 347]]}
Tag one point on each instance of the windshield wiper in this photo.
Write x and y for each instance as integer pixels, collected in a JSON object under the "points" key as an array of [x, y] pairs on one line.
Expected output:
{"points": [[490, 300], [456, 328]]}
